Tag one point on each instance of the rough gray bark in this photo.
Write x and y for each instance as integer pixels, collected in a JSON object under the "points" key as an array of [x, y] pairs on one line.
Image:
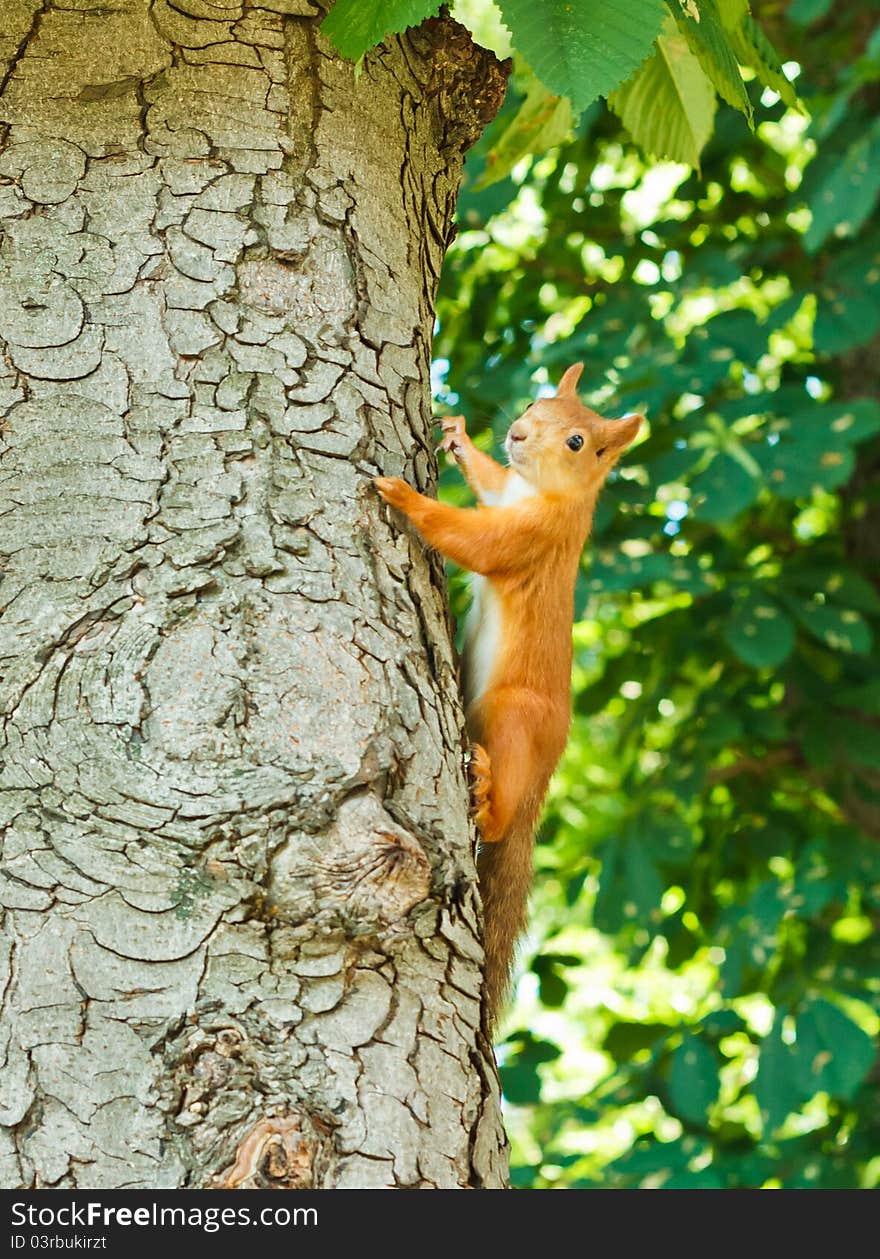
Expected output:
{"points": [[240, 921]]}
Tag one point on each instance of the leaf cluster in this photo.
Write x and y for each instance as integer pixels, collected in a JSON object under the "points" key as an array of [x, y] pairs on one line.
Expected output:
{"points": [[701, 986], [660, 64]]}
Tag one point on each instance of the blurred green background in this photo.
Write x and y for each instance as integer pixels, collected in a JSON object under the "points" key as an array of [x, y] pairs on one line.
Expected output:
{"points": [[700, 987]]}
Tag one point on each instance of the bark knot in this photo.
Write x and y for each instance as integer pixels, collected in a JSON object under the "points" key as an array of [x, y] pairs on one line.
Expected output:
{"points": [[277, 1153], [364, 869]]}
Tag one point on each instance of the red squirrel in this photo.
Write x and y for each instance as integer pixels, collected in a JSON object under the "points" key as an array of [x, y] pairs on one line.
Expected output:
{"points": [[524, 545]]}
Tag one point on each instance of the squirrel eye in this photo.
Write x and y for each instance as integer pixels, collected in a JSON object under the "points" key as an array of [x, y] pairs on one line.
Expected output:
{"points": [[575, 442]]}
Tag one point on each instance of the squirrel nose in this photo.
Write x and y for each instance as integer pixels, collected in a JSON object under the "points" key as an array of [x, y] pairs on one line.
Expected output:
{"points": [[516, 434]]}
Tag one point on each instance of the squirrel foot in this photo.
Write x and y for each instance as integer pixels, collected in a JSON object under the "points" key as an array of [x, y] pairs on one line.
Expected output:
{"points": [[481, 784]]}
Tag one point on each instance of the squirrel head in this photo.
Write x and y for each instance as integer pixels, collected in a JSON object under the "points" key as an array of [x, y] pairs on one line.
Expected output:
{"points": [[559, 446]]}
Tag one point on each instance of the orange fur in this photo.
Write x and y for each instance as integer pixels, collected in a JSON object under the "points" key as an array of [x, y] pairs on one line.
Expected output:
{"points": [[526, 543]]}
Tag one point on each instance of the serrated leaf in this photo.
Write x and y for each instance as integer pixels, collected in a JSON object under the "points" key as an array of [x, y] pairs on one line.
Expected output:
{"points": [[581, 49], [754, 49], [353, 26], [668, 107], [693, 1080], [543, 121], [759, 632], [700, 23]]}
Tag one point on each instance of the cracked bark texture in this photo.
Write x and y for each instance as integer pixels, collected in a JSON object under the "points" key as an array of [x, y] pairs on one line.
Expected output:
{"points": [[241, 941]]}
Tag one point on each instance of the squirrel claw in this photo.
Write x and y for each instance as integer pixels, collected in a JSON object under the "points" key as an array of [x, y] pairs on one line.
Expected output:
{"points": [[454, 433], [392, 489], [450, 444]]}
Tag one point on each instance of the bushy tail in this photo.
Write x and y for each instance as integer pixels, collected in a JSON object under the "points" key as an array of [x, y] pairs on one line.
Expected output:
{"points": [[505, 870]]}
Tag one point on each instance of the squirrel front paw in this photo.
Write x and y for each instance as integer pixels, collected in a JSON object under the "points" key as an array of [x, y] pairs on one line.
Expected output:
{"points": [[393, 490], [455, 439]]}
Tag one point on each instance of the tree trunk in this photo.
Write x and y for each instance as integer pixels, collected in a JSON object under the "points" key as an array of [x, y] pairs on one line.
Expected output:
{"points": [[241, 927]]}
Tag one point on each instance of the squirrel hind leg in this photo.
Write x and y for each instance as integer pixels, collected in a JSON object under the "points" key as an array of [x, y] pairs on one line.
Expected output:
{"points": [[481, 785], [511, 758]]}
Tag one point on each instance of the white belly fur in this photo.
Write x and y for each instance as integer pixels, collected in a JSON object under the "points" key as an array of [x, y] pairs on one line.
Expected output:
{"points": [[484, 628]]}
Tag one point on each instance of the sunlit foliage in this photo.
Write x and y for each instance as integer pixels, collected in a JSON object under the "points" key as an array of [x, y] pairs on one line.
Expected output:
{"points": [[700, 989]]}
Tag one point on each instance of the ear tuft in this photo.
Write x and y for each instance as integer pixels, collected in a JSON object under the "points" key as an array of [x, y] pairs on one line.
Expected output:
{"points": [[567, 387]]}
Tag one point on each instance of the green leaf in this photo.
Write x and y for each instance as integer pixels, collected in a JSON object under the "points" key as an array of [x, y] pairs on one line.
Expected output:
{"points": [[552, 989], [700, 23], [534, 1049], [759, 632], [519, 1074], [693, 1080], [723, 490], [860, 744], [848, 302], [813, 447], [805, 12], [581, 49], [663, 836], [733, 13], [671, 466], [648, 1157], [846, 197], [776, 1087], [626, 1039], [844, 319], [668, 107], [754, 49], [865, 697], [699, 1178], [722, 1023], [854, 420], [630, 889], [639, 572], [521, 1083], [833, 1052], [841, 629], [844, 587], [353, 26], [543, 120]]}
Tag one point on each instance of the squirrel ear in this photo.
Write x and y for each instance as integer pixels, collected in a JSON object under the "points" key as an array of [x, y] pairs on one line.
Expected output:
{"points": [[618, 434], [567, 387]]}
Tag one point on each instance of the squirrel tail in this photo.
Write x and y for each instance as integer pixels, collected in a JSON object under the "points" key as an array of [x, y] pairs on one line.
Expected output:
{"points": [[505, 870]]}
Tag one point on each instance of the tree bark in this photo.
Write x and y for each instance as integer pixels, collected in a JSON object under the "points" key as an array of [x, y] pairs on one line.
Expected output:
{"points": [[240, 912]]}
